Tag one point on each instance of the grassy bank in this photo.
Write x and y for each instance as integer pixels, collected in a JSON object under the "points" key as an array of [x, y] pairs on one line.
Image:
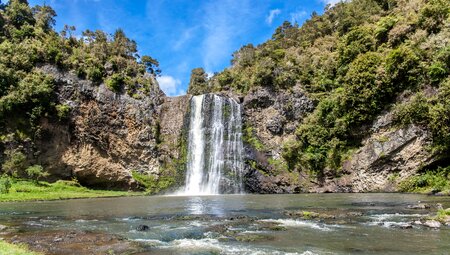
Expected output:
{"points": [[12, 249], [29, 191]]}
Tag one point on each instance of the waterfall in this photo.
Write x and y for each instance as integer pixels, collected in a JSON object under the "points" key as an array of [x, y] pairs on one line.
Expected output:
{"points": [[215, 160]]}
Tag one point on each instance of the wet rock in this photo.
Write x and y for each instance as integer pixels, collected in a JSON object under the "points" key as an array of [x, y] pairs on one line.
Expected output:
{"points": [[419, 206], [405, 226], [251, 237], [257, 182], [303, 214], [75, 242], [432, 224], [417, 222], [3, 227], [142, 228]]}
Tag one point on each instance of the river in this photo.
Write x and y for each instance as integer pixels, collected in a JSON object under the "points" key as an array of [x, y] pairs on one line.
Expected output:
{"points": [[246, 224]]}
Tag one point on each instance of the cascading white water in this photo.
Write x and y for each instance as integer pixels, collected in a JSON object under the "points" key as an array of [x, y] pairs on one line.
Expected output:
{"points": [[215, 161]]}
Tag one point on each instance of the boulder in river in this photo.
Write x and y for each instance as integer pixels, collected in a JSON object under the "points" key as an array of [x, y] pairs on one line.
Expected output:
{"points": [[142, 228], [432, 224]]}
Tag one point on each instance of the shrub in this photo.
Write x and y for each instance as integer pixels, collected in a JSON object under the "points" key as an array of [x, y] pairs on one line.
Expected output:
{"points": [[115, 82], [15, 163], [416, 111], [36, 172], [5, 184], [437, 180], [63, 111], [152, 183]]}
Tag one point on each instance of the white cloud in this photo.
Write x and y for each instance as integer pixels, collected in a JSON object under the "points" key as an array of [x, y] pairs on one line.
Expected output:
{"points": [[272, 15], [170, 85], [330, 2], [224, 23], [297, 16], [209, 74], [184, 38]]}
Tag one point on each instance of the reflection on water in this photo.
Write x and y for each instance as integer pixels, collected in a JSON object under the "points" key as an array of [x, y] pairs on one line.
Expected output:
{"points": [[195, 205], [248, 224]]}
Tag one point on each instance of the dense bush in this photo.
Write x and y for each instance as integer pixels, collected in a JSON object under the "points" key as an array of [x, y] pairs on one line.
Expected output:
{"points": [[5, 184], [36, 172], [356, 60], [28, 40]]}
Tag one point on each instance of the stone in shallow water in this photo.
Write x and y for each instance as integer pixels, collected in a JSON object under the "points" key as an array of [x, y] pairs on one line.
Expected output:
{"points": [[142, 228], [419, 206], [432, 224], [253, 238]]}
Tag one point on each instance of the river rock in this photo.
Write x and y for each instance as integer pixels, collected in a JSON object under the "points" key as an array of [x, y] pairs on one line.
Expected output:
{"points": [[3, 227], [432, 224], [142, 228], [419, 206]]}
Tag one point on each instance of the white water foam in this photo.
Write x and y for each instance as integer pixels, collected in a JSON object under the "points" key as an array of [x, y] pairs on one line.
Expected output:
{"points": [[210, 245], [299, 223]]}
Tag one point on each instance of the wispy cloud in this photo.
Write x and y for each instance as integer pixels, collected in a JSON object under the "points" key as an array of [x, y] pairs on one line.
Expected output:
{"points": [[224, 22], [297, 16], [331, 2], [185, 36], [170, 85], [272, 15]]}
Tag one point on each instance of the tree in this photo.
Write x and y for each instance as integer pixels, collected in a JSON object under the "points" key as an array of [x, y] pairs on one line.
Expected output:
{"points": [[45, 17], [199, 82], [15, 163], [18, 13], [36, 172], [151, 65]]}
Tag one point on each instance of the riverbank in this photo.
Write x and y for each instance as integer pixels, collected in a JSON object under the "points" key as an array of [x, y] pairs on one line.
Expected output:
{"points": [[22, 190], [13, 249]]}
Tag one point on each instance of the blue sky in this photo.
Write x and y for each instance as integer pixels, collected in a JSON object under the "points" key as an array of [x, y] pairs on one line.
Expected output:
{"points": [[184, 35]]}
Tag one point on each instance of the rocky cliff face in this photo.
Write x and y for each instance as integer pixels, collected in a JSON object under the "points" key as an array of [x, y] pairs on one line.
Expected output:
{"points": [[388, 155], [109, 135], [106, 136]]}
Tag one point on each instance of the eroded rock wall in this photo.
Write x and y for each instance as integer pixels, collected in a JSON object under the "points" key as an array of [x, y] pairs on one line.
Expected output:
{"points": [[106, 136]]}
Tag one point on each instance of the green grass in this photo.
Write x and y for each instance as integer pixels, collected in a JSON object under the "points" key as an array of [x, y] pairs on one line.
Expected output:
{"points": [[13, 249], [28, 191]]}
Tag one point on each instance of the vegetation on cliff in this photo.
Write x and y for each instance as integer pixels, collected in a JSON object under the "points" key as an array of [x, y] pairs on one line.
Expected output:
{"points": [[28, 95], [358, 59]]}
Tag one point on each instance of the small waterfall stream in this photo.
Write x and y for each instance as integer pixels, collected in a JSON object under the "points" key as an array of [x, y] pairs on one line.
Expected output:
{"points": [[215, 160]]}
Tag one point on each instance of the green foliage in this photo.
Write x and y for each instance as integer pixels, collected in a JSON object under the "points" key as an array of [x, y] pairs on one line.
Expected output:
{"points": [[402, 66], [22, 190], [433, 15], [415, 111], [5, 184], [438, 180], [249, 137], [153, 184], [115, 82], [15, 163], [357, 41], [63, 111], [355, 59], [151, 64], [199, 82], [36, 172], [15, 249]]}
